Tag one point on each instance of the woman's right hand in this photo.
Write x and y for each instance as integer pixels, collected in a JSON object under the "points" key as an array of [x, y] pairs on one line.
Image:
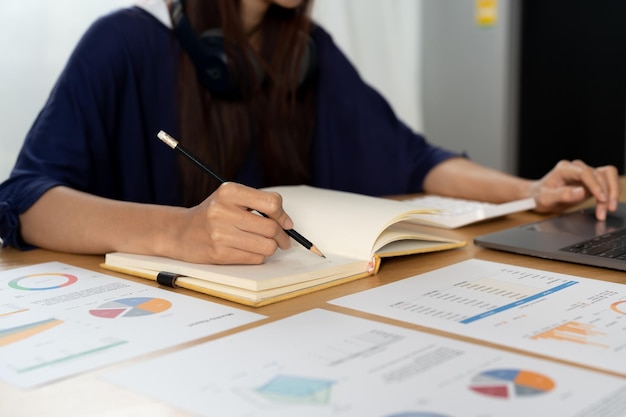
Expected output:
{"points": [[225, 229]]}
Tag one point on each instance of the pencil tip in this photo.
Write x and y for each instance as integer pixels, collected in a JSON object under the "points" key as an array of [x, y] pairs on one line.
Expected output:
{"points": [[317, 252]]}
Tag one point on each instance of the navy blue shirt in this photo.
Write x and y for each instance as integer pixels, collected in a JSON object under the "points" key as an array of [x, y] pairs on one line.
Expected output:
{"points": [[97, 131]]}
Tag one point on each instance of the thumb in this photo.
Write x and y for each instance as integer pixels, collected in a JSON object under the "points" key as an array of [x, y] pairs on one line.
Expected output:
{"points": [[552, 199], [574, 194]]}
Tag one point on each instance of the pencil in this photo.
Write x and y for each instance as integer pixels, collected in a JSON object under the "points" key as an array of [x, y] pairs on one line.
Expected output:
{"points": [[174, 144]]}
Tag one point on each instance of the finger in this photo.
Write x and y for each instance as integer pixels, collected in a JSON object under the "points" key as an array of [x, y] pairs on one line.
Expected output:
{"points": [[230, 225], [243, 237], [592, 181], [606, 179], [601, 209], [268, 203], [610, 176], [272, 205], [226, 244], [252, 223]]}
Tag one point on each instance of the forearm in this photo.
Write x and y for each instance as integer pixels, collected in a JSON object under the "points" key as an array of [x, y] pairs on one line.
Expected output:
{"points": [[71, 221], [463, 178]]}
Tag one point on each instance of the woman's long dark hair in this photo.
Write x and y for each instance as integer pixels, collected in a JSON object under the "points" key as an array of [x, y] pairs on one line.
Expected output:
{"points": [[276, 118]]}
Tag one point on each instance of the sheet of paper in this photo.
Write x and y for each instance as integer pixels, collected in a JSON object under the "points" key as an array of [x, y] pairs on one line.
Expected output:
{"points": [[563, 316], [321, 363], [57, 320]]}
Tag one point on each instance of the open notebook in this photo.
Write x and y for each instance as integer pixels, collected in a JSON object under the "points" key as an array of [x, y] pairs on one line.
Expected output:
{"points": [[354, 232]]}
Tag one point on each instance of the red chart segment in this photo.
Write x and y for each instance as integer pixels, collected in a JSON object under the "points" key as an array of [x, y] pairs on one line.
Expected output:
{"points": [[511, 383], [131, 307]]}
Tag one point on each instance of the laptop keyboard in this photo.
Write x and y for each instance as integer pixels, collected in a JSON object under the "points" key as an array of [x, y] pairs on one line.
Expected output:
{"points": [[608, 245]]}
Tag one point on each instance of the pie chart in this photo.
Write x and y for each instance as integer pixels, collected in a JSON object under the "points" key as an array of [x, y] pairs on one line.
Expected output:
{"points": [[43, 281], [131, 307], [511, 383]]}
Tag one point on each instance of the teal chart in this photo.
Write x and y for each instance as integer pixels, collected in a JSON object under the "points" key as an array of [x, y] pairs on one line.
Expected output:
{"points": [[296, 390]]}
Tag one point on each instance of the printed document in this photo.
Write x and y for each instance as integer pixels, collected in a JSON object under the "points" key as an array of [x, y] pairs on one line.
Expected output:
{"points": [[57, 320], [563, 316], [321, 363]]}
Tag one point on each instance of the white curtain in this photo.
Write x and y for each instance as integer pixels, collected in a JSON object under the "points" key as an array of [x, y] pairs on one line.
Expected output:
{"points": [[36, 38], [382, 39]]}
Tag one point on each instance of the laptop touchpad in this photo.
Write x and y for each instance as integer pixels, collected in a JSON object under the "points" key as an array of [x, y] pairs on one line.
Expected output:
{"points": [[579, 224]]}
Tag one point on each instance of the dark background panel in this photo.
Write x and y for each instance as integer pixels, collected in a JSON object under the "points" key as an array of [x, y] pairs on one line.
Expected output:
{"points": [[572, 84]]}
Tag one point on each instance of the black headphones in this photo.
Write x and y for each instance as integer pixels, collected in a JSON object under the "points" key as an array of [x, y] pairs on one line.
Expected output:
{"points": [[227, 77]]}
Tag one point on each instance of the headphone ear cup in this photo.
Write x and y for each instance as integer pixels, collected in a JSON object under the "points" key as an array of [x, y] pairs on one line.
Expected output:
{"points": [[228, 73], [234, 73], [211, 64], [208, 57], [308, 63]]}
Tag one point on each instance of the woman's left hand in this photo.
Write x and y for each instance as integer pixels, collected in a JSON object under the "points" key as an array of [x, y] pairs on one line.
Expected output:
{"points": [[571, 182]]}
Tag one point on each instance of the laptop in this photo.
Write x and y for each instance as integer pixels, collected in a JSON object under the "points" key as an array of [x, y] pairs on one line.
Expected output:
{"points": [[572, 237]]}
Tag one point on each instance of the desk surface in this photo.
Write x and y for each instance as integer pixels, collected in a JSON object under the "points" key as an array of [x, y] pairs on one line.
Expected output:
{"points": [[88, 395]]}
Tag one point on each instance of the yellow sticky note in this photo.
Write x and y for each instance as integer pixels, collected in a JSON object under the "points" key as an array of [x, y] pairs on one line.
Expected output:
{"points": [[486, 12]]}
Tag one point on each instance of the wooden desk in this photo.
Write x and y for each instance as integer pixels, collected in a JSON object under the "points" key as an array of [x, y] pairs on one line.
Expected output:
{"points": [[88, 395]]}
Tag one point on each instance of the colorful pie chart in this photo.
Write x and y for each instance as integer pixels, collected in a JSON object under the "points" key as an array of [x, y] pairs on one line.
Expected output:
{"points": [[511, 383], [43, 281], [131, 307]]}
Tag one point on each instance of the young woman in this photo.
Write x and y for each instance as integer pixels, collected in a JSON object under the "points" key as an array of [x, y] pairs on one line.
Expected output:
{"points": [[259, 93]]}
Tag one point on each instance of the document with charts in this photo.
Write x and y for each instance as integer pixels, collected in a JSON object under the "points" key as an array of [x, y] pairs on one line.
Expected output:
{"points": [[321, 363], [57, 320], [563, 316]]}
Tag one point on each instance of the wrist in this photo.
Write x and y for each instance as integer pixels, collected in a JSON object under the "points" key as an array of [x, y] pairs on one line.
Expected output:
{"points": [[528, 188], [166, 230]]}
